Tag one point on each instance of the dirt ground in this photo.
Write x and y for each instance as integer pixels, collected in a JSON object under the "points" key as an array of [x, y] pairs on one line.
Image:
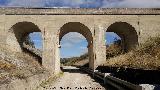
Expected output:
{"points": [[74, 79]]}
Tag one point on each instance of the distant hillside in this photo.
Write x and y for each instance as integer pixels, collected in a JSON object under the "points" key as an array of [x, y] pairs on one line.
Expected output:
{"points": [[111, 51], [75, 61]]}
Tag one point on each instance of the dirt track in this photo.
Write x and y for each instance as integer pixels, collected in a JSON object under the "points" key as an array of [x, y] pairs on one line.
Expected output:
{"points": [[74, 79]]}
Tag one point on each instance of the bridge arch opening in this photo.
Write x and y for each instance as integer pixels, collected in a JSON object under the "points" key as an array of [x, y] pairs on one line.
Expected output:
{"points": [[23, 37], [74, 51], [84, 31], [128, 38], [113, 44]]}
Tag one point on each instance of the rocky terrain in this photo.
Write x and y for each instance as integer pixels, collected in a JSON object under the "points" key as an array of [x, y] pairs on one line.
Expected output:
{"points": [[17, 66]]}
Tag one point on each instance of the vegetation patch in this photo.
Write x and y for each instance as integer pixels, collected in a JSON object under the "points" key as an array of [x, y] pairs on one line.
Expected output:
{"points": [[74, 60], [6, 66], [50, 81], [17, 65], [114, 49], [145, 56]]}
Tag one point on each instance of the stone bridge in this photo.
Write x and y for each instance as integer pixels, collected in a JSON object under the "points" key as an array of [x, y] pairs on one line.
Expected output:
{"points": [[134, 26]]}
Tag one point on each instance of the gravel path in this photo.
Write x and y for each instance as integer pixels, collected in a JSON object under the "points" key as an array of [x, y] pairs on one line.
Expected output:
{"points": [[74, 79]]}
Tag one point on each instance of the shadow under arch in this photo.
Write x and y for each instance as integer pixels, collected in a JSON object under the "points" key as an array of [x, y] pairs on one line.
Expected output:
{"points": [[126, 32], [18, 33], [82, 29], [22, 29]]}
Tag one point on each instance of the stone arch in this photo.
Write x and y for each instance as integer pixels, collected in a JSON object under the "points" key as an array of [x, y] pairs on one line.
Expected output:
{"points": [[76, 27], [82, 29], [127, 33], [18, 32]]}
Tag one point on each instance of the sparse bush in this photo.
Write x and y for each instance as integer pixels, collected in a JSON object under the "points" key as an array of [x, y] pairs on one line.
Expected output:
{"points": [[19, 75], [145, 56], [114, 49], [29, 42], [18, 64], [6, 66], [151, 46], [51, 80]]}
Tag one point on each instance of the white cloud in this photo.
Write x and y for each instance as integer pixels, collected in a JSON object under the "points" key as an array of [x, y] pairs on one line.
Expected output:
{"points": [[131, 4], [36, 34], [73, 38], [66, 45], [112, 34], [73, 3], [45, 3], [27, 3], [73, 45], [84, 50]]}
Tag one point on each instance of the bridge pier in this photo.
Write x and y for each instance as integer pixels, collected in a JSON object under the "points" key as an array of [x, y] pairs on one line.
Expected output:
{"points": [[51, 58], [100, 47]]}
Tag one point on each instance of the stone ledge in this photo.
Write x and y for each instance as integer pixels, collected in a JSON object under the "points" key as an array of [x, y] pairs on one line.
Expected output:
{"points": [[78, 11]]}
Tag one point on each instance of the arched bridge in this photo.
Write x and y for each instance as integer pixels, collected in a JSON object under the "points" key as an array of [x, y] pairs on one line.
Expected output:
{"points": [[134, 26]]}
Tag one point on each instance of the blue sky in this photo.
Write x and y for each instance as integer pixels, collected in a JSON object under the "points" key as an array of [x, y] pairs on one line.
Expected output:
{"points": [[75, 44], [72, 44], [36, 37], [110, 37]]}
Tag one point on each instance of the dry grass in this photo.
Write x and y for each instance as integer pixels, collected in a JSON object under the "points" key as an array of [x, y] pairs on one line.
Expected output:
{"points": [[28, 65], [81, 62], [6, 65], [50, 80], [113, 50], [83, 59], [145, 56]]}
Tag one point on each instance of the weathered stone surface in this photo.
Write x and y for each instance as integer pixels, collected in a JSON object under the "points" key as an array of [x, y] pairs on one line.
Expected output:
{"points": [[78, 11]]}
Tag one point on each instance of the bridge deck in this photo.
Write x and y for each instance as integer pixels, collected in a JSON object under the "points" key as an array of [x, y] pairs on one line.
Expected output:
{"points": [[78, 11]]}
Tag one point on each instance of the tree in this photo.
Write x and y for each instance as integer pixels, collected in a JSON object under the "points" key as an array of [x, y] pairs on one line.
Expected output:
{"points": [[29, 42], [117, 41]]}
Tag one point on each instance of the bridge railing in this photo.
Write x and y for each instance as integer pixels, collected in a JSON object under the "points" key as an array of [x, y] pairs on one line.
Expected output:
{"points": [[87, 70], [113, 81]]}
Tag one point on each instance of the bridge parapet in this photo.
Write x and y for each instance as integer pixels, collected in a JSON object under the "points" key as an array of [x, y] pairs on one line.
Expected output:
{"points": [[78, 11]]}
